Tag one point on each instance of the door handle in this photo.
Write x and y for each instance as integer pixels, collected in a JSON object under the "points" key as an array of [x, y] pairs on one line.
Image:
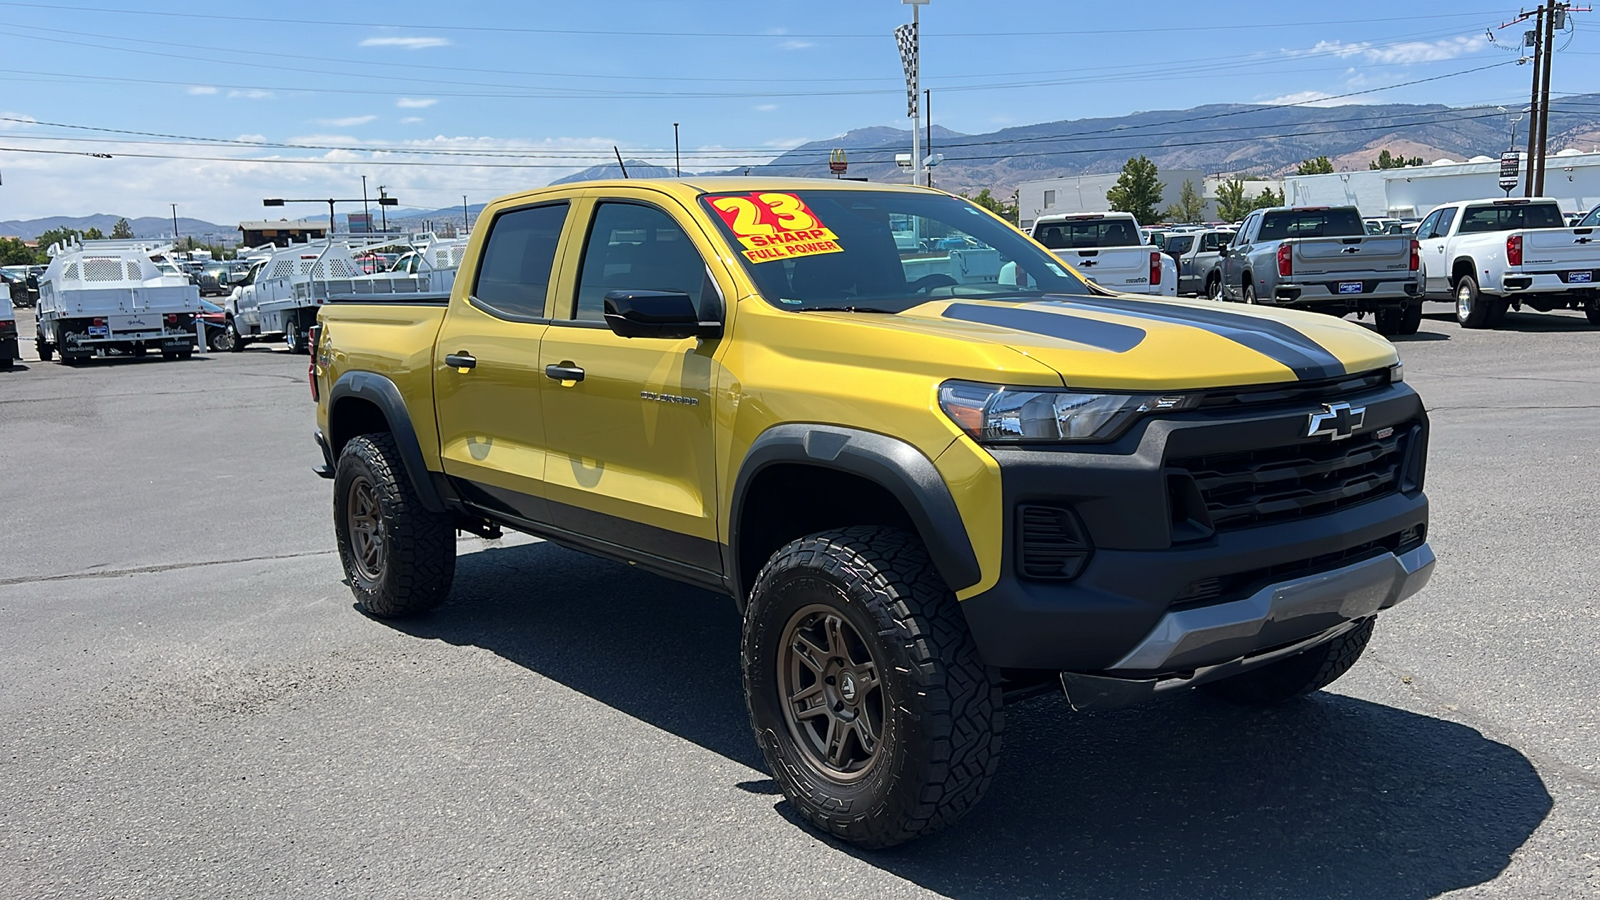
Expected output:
{"points": [[563, 372], [462, 360]]}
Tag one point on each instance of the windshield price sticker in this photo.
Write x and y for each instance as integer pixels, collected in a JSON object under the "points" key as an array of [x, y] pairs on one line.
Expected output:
{"points": [[774, 226]]}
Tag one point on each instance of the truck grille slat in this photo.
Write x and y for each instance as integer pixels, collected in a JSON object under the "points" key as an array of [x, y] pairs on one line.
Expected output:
{"points": [[1258, 487]]}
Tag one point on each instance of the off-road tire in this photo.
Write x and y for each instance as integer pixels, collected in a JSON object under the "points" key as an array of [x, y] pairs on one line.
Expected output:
{"points": [[1473, 309], [417, 559], [940, 737], [1301, 674]]}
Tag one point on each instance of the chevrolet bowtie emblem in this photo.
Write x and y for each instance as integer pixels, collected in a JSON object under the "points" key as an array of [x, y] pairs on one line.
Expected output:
{"points": [[1336, 420]]}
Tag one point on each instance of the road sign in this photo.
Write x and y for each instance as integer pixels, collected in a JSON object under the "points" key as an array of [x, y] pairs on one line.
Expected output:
{"points": [[1510, 169]]}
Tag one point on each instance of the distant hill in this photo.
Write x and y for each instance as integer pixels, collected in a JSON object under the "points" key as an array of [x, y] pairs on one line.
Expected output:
{"points": [[637, 168], [143, 227], [1221, 138]]}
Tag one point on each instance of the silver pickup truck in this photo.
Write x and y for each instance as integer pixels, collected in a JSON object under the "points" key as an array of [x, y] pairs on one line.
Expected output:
{"points": [[1199, 258], [1321, 258]]}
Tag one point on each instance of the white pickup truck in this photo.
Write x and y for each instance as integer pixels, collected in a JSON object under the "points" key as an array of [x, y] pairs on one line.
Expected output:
{"points": [[1491, 255], [1107, 249]]}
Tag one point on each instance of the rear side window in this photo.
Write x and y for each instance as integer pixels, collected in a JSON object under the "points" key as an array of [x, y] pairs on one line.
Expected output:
{"points": [[1306, 223], [515, 275], [1088, 235], [1510, 217], [636, 248], [1178, 245]]}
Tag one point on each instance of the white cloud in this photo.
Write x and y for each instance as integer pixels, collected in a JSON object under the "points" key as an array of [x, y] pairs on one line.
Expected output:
{"points": [[795, 45], [408, 43], [410, 120], [253, 94], [346, 122], [1304, 98], [1403, 53], [415, 102], [201, 90], [765, 107]]}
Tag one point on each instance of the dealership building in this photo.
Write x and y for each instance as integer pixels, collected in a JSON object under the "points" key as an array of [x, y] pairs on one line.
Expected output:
{"points": [[1571, 177], [1087, 193]]}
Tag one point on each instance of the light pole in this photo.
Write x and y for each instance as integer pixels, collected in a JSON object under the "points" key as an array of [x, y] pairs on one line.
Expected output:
{"points": [[383, 208], [365, 209], [907, 36], [174, 224], [332, 222], [677, 162], [465, 222]]}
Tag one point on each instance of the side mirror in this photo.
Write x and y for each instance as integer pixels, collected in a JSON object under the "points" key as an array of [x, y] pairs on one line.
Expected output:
{"points": [[670, 315]]}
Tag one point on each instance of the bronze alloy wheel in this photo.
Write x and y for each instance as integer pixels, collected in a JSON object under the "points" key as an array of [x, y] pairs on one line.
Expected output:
{"points": [[365, 520], [832, 696]]}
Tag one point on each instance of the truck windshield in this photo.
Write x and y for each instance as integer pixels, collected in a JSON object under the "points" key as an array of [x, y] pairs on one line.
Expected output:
{"points": [[880, 251], [1306, 223], [1087, 235], [1510, 217]]}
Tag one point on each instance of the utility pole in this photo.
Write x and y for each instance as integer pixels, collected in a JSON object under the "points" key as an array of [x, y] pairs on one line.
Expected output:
{"points": [[677, 163], [927, 111], [174, 225], [464, 220], [1548, 18], [365, 209], [383, 210]]}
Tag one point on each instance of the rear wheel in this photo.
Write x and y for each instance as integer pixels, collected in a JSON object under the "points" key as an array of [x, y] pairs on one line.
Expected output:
{"points": [[46, 351], [1411, 318], [1301, 674], [1472, 308], [220, 340], [291, 337], [138, 350], [1593, 312], [875, 713], [399, 557], [1248, 292]]}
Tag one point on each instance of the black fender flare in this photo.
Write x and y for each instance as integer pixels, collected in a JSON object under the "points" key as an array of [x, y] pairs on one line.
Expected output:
{"points": [[1455, 265], [888, 462], [382, 393]]}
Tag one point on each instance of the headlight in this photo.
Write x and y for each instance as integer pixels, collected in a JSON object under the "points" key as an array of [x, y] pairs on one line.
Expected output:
{"points": [[994, 414]]}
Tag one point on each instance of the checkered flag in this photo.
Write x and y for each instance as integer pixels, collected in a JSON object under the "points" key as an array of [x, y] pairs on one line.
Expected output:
{"points": [[906, 37]]}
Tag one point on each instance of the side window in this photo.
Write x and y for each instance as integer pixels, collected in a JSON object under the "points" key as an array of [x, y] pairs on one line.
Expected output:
{"points": [[515, 274], [1425, 230], [1593, 218], [633, 247], [1446, 217], [1247, 229]]}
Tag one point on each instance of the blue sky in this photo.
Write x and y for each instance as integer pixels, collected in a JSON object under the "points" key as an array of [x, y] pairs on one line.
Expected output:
{"points": [[550, 87]]}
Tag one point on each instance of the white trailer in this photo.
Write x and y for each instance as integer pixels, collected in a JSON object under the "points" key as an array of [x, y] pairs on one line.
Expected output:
{"points": [[122, 295], [279, 297]]}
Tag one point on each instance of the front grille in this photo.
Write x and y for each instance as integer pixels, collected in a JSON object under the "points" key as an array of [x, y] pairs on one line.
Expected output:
{"points": [[1051, 543], [1259, 487], [1320, 391]]}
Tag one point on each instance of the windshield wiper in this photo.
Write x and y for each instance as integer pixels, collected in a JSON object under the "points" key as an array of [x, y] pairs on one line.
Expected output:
{"points": [[853, 309]]}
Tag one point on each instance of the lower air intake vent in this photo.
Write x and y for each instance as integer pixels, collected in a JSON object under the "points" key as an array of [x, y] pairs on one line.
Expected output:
{"points": [[1051, 544]]}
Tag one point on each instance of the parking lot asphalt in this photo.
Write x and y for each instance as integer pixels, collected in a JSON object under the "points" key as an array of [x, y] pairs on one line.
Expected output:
{"points": [[192, 707]]}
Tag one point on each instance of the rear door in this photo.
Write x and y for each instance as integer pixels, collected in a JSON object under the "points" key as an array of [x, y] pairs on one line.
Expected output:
{"points": [[631, 463], [488, 384]]}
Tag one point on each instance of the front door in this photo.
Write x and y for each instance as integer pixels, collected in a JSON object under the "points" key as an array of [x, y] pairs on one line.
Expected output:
{"points": [[1431, 243], [629, 421], [486, 373]]}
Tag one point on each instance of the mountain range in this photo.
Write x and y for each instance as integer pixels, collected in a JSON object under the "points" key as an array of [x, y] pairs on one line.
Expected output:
{"points": [[1242, 139]]}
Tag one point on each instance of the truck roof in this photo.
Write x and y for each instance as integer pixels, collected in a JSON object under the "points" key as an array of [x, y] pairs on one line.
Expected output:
{"points": [[690, 187]]}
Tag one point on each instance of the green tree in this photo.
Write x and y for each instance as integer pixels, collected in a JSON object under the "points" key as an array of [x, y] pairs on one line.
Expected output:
{"points": [[94, 234], [1232, 204], [1137, 191], [13, 252], [123, 229], [1001, 208], [1268, 197], [59, 235], [1386, 160], [1191, 207], [1319, 166]]}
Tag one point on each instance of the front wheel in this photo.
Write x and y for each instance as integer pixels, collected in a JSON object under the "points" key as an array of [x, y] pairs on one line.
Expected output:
{"points": [[873, 709], [1472, 308], [237, 341], [399, 557], [1214, 289], [1301, 674]]}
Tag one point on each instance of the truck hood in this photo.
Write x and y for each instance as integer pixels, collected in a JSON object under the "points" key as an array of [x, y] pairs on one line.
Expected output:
{"points": [[1126, 343]]}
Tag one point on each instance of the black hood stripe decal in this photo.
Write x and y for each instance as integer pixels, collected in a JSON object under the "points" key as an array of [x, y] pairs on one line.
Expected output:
{"points": [[1112, 336], [1274, 340]]}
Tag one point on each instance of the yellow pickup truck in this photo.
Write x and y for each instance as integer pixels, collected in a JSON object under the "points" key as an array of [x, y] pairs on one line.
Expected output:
{"points": [[935, 468]]}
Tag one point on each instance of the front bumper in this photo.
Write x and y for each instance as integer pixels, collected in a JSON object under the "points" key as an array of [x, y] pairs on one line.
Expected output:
{"points": [[1158, 597]]}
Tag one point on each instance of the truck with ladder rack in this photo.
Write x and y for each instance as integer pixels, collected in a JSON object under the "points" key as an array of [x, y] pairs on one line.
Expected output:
{"points": [[116, 295]]}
